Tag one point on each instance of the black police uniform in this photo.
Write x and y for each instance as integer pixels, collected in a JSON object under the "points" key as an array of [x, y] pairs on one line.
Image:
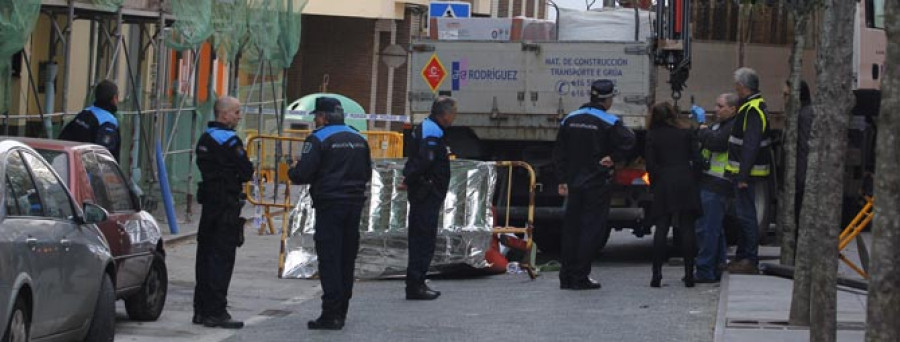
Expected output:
{"points": [[586, 136], [427, 176], [96, 124], [224, 167], [336, 163]]}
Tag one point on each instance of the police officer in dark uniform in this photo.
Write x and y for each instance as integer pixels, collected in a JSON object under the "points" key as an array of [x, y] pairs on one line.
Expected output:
{"points": [[427, 177], [589, 143], [336, 163], [98, 124], [224, 167]]}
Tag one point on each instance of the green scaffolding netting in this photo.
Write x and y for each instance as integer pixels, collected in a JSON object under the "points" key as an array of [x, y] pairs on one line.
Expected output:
{"points": [[17, 19], [193, 24], [229, 20], [264, 30], [289, 33], [109, 5]]}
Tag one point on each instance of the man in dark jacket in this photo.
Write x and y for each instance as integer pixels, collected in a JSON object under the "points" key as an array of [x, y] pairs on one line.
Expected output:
{"points": [[427, 177], [715, 191], [589, 143], [335, 162], [224, 167], [98, 124], [749, 164]]}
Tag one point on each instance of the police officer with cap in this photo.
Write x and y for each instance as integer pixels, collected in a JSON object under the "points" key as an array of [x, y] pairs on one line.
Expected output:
{"points": [[98, 124], [427, 177], [224, 167], [589, 143], [335, 161]]}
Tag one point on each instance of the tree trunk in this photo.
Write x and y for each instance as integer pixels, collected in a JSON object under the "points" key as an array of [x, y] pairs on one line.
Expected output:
{"points": [[884, 282], [829, 141], [795, 245], [789, 143]]}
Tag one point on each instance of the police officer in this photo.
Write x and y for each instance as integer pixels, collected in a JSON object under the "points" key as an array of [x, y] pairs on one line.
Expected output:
{"points": [[224, 167], [716, 190], [98, 124], [427, 177], [335, 162], [749, 157], [589, 143]]}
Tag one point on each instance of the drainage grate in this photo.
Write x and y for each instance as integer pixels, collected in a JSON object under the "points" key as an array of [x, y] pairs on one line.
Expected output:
{"points": [[275, 313], [785, 325]]}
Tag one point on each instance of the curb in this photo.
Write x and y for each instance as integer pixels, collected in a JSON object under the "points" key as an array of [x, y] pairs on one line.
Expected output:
{"points": [[176, 239], [719, 332]]}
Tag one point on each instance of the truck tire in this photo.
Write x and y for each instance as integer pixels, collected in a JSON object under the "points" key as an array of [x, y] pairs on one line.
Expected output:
{"points": [[764, 211], [548, 236]]}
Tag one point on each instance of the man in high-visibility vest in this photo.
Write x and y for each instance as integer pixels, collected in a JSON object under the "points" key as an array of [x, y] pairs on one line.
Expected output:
{"points": [[749, 160], [715, 191]]}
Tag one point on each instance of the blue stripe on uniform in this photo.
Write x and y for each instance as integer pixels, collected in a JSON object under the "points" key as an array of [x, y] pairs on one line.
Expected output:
{"points": [[103, 116], [327, 131], [430, 129], [602, 115], [222, 136]]}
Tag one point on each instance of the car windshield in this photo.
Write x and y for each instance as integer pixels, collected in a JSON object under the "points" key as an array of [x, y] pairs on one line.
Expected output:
{"points": [[60, 162]]}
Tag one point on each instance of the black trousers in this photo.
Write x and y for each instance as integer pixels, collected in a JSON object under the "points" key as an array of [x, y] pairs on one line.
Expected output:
{"points": [[585, 220], [423, 227], [217, 235], [337, 243], [684, 234]]}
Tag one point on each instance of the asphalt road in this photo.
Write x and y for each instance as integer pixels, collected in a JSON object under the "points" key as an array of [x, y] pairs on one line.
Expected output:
{"points": [[496, 308]]}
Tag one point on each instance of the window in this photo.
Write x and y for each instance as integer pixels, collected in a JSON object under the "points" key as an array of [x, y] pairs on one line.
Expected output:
{"points": [[59, 161], [95, 177], [875, 13], [20, 188], [116, 187], [55, 197]]}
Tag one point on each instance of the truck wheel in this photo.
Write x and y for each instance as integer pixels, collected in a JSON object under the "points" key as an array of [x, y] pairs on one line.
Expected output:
{"points": [[548, 236], [148, 303], [763, 203]]}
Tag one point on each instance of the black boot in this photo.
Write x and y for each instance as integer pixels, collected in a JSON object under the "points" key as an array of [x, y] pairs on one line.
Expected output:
{"points": [[657, 275], [688, 272], [421, 292], [325, 322]]}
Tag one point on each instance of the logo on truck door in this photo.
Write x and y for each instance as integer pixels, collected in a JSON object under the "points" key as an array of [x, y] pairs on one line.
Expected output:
{"points": [[434, 73]]}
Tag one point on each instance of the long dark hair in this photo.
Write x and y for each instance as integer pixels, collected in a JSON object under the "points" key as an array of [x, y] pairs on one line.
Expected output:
{"points": [[664, 114]]}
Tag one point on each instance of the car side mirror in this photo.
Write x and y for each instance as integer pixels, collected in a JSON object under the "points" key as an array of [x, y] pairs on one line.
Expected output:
{"points": [[94, 214]]}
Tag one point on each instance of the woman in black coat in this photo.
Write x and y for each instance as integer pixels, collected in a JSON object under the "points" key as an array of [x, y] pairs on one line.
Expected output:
{"points": [[672, 153]]}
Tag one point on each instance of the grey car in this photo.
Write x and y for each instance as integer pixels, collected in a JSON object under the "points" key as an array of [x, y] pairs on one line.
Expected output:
{"points": [[56, 270]]}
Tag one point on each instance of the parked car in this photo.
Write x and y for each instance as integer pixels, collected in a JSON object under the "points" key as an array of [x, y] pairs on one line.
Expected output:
{"points": [[56, 269], [94, 176]]}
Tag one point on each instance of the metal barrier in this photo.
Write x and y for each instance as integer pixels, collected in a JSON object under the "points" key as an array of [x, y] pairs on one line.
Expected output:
{"points": [[852, 231], [272, 169], [528, 230]]}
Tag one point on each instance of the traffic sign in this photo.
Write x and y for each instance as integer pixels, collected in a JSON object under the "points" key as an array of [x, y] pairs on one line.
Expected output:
{"points": [[449, 9], [434, 73]]}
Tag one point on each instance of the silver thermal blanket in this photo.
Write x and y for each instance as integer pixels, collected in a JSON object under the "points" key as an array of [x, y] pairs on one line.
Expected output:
{"points": [[464, 230]]}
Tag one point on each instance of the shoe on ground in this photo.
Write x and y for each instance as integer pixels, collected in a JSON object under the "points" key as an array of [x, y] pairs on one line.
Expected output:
{"points": [[223, 321], [198, 319], [742, 267], [323, 323], [585, 284], [421, 292]]}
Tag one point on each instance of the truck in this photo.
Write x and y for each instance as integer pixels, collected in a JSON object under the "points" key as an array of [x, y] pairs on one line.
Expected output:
{"points": [[512, 95]]}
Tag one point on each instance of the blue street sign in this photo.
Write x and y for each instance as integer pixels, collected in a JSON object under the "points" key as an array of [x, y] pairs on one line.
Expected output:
{"points": [[449, 9]]}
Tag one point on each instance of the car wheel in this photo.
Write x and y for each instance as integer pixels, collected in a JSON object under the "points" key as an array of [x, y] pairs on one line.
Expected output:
{"points": [[19, 323], [103, 323], [148, 303]]}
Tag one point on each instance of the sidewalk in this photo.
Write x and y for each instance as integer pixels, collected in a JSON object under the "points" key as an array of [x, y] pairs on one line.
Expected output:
{"points": [[756, 307]]}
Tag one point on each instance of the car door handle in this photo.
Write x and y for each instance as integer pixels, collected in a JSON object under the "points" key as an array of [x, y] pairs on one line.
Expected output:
{"points": [[31, 242], [65, 243]]}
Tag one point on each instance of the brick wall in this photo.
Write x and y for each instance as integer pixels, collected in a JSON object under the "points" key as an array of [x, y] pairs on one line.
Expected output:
{"points": [[338, 46]]}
